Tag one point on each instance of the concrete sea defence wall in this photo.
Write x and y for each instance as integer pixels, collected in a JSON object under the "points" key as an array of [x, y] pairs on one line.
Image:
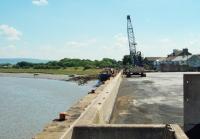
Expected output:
{"points": [[192, 105], [126, 131], [92, 109], [100, 110]]}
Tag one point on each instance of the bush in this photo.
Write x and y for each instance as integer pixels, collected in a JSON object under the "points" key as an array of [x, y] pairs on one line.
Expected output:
{"points": [[87, 67]]}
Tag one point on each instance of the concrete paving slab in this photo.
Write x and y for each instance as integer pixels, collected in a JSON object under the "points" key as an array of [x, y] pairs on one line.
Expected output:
{"points": [[155, 99]]}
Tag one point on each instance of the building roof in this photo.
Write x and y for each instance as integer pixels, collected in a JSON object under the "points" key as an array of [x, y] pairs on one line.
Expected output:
{"points": [[181, 58], [162, 59], [154, 58], [170, 58], [177, 52]]}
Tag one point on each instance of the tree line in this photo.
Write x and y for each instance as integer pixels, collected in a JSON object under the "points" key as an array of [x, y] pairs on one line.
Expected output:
{"points": [[75, 62], [68, 62]]}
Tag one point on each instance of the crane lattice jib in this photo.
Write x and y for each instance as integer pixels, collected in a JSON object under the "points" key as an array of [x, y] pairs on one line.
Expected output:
{"points": [[131, 39]]}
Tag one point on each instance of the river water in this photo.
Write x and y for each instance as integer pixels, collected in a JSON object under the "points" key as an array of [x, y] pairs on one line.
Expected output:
{"points": [[28, 104]]}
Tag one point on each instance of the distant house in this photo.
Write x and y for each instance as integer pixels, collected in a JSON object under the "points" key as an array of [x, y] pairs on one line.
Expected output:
{"points": [[178, 60], [172, 58], [182, 63], [177, 52], [153, 62], [181, 60], [152, 59], [158, 62], [169, 59], [194, 62]]}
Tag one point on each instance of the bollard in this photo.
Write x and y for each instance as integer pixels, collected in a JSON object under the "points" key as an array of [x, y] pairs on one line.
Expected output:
{"points": [[92, 91], [62, 116]]}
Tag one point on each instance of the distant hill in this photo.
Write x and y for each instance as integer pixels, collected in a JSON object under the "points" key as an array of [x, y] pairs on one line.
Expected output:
{"points": [[16, 60]]}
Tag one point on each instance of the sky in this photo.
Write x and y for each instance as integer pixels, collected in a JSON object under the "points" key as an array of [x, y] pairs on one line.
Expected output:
{"points": [[94, 29]]}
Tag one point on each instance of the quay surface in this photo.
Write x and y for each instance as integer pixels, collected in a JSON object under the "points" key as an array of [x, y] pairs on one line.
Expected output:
{"points": [[155, 99]]}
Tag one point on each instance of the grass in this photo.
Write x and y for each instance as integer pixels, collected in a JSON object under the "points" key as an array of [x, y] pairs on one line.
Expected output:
{"points": [[66, 71]]}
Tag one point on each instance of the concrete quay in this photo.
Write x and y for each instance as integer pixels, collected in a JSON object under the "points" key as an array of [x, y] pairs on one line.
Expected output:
{"points": [[116, 110], [128, 131], [155, 99], [94, 108], [192, 105]]}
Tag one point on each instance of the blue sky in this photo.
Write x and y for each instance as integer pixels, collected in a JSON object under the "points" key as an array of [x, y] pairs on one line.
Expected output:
{"points": [[54, 29]]}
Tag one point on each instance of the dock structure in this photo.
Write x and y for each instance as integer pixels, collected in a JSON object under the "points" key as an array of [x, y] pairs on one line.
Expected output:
{"points": [[128, 131], [95, 116], [95, 108], [192, 105]]}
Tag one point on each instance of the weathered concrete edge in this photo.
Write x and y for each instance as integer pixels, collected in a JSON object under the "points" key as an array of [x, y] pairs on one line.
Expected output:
{"points": [[191, 101], [100, 110], [179, 134], [126, 125], [175, 128]]}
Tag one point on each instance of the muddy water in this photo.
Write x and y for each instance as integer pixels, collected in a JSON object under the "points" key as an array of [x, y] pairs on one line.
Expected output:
{"points": [[27, 104], [158, 98]]}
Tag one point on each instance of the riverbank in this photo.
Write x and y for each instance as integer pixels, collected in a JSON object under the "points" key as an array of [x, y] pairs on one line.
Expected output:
{"points": [[80, 79], [62, 71], [37, 76]]}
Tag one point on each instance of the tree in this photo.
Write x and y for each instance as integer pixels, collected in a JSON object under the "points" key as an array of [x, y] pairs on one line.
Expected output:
{"points": [[126, 60], [24, 64]]}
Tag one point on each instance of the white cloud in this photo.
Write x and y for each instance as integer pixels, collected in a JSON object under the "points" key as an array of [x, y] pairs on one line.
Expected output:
{"points": [[9, 32], [40, 2], [90, 48], [12, 46], [165, 40], [121, 40], [193, 40], [81, 43]]}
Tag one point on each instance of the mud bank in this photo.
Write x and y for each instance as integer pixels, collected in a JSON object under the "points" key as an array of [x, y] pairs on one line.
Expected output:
{"points": [[36, 75]]}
